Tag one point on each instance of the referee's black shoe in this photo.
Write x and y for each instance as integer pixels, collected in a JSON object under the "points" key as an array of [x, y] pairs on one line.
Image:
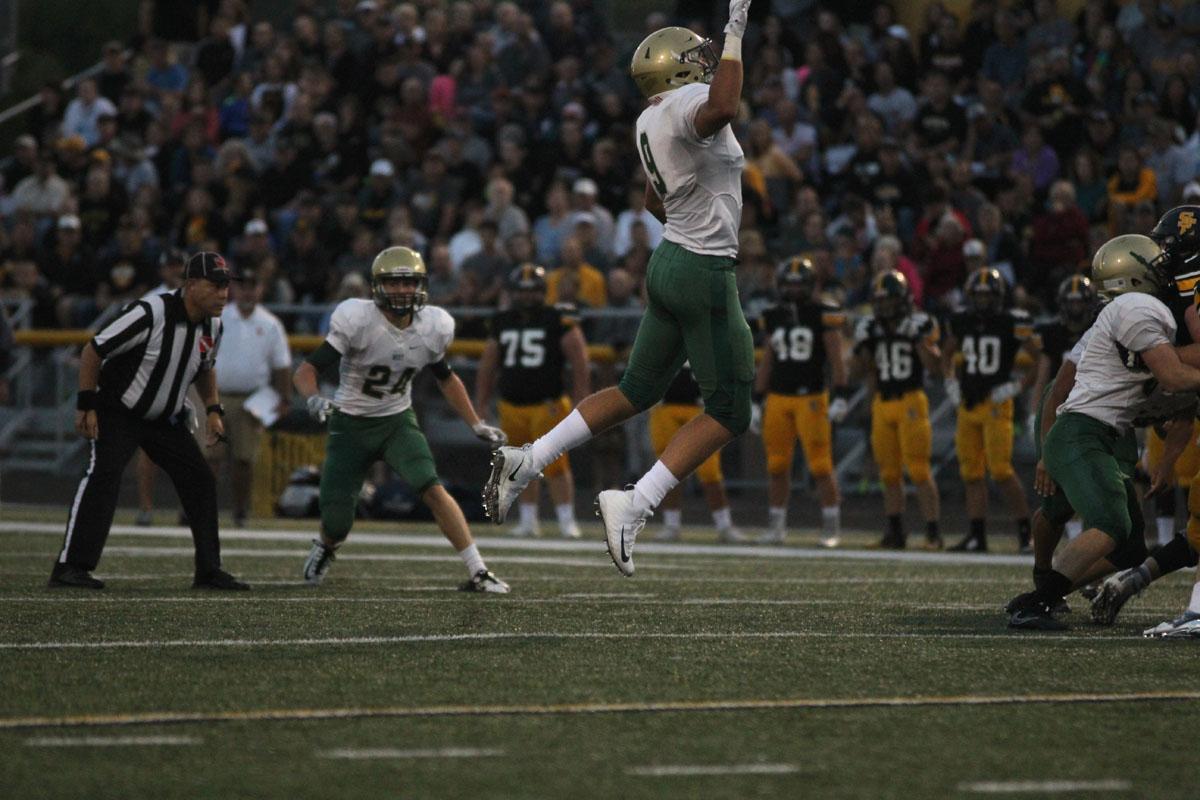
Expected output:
{"points": [[66, 576], [220, 580]]}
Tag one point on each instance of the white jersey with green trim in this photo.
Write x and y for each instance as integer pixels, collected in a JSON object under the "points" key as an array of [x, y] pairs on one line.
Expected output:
{"points": [[380, 360], [699, 180], [1111, 377]]}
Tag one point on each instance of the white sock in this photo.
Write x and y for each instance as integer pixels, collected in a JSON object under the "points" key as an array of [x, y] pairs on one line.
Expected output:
{"points": [[777, 517], [1194, 606], [652, 488], [566, 435], [474, 561], [565, 514], [673, 518], [1074, 528], [831, 521], [1166, 529], [529, 515], [723, 519]]}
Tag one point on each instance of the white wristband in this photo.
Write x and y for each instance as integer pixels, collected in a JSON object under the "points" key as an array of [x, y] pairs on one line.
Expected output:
{"points": [[733, 48]]}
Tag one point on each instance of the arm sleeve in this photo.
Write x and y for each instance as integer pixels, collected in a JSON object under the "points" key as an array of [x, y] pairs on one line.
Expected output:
{"points": [[341, 330], [125, 332], [441, 370], [862, 335], [1142, 334], [324, 357], [833, 317], [689, 105], [1022, 326]]}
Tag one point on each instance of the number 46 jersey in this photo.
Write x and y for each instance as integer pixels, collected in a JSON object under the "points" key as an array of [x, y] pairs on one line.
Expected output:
{"points": [[893, 349], [988, 344], [531, 357], [796, 335], [379, 360]]}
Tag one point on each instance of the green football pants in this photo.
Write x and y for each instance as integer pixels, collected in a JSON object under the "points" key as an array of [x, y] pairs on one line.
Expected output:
{"points": [[693, 315]]}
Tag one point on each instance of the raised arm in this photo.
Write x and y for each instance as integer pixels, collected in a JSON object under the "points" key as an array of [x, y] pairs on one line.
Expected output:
{"points": [[725, 94]]}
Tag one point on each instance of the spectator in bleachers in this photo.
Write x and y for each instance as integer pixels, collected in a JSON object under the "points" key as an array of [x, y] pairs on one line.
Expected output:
{"points": [[1058, 245], [635, 213], [584, 193], [587, 283], [21, 164], [1132, 183], [44, 193], [489, 265], [83, 113]]}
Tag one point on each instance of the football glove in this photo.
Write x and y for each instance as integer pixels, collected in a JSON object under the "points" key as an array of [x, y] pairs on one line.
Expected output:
{"points": [[490, 434], [838, 409], [319, 407], [756, 418], [1006, 391], [953, 391], [739, 13]]}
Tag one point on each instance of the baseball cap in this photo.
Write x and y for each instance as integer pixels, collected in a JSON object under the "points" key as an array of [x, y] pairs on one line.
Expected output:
{"points": [[1191, 191], [381, 166], [898, 32], [68, 221], [585, 186], [255, 226], [974, 248], [209, 266], [585, 217]]}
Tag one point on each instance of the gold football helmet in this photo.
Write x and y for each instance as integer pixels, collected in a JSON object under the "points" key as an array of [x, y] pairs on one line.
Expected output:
{"points": [[399, 280], [1127, 264], [670, 58]]}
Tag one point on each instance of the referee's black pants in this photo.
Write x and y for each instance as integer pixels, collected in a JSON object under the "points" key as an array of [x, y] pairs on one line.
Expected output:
{"points": [[171, 446]]}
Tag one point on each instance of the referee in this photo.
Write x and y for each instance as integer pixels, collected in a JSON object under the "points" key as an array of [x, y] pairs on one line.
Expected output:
{"points": [[133, 377]]}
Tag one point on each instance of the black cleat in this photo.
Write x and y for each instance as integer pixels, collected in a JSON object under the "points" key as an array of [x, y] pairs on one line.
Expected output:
{"points": [[890, 542], [970, 544], [66, 576], [220, 580], [1035, 619]]}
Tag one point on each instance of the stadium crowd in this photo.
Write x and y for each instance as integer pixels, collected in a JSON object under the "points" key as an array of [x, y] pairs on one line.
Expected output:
{"points": [[487, 134]]}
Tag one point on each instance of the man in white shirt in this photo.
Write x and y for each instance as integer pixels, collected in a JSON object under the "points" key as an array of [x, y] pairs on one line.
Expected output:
{"points": [[260, 358], [83, 113]]}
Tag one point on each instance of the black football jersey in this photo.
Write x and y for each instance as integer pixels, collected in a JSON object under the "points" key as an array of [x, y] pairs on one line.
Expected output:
{"points": [[898, 367], [683, 390], [796, 335], [987, 345], [531, 357], [1057, 340]]}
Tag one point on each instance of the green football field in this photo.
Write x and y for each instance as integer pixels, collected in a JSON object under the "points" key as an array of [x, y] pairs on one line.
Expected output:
{"points": [[732, 672]]}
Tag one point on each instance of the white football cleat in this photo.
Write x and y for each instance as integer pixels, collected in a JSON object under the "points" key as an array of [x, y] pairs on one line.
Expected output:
{"points": [[485, 581], [773, 536], [1186, 626], [571, 531], [828, 541], [317, 564], [731, 535], [621, 526], [511, 473], [523, 531], [668, 533]]}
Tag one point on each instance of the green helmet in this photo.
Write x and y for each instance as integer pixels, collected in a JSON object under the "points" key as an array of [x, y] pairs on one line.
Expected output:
{"points": [[394, 266], [670, 58], [1127, 264]]}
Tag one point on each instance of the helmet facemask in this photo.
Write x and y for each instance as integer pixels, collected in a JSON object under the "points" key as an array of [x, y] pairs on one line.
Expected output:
{"points": [[400, 294]]}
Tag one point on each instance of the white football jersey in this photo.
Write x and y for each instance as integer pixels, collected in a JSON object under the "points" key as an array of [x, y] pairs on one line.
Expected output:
{"points": [[699, 180], [1111, 377], [380, 360]]}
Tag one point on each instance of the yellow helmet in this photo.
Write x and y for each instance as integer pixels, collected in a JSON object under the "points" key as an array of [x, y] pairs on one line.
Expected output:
{"points": [[670, 58], [1127, 264], [395, 266]]}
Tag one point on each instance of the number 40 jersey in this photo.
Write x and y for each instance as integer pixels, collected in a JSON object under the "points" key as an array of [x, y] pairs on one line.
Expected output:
{"points": [[988, 344], [379, 360]]}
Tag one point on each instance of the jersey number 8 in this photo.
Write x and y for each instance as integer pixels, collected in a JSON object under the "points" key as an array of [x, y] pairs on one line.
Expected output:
{"points": [[526, 347]]}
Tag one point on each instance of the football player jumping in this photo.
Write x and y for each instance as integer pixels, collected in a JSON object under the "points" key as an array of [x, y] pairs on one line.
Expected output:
{"points": [[693, 165], [378, 346], [988, 336], [894, 346], [528, 345], [803, 335]]}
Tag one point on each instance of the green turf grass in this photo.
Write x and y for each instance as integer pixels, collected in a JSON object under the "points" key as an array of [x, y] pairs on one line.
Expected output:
{"points": [[687, 629]]}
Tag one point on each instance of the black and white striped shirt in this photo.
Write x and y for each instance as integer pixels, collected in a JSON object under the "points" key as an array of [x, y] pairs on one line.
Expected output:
{"points": [[152, 352]]}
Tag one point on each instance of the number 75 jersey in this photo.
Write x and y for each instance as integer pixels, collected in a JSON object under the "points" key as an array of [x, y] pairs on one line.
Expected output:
{"points": [[531, 356], [893, 350], [379, 360]]}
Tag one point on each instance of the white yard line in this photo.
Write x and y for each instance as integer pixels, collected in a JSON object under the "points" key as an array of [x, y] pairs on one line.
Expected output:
{"points": [[694, 770], [124, 644], [111, 741], [362, 754], [583, 709], [1044, 787], [487, 542]]}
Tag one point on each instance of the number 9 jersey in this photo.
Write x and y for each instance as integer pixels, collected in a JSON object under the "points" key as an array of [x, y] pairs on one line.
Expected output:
{"points": [[379, 360], [893, 350]]}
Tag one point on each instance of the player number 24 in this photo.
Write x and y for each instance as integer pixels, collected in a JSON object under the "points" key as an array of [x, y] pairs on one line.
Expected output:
{"points": [[380, 376]]}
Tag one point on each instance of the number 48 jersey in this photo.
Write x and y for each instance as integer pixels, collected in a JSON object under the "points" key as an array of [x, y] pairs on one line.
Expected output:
{"points": [[795, 334], [988, 345], [531, 357], [898, 367], [379, 360]]}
